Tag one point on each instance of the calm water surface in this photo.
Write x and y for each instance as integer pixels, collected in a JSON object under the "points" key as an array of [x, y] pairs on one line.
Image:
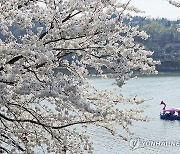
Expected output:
{"points": [[153, 89]]}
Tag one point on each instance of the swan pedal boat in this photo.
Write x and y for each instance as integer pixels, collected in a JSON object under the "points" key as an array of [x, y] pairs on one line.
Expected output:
{"points": [[169, 114]]}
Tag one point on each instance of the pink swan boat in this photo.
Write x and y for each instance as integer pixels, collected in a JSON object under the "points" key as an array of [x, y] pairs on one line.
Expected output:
{"points": [[169, 114]]}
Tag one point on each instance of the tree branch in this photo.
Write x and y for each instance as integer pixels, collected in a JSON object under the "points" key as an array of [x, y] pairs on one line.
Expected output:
{"points": [[25, 4], [124, 9], [1, 68], [34, 74], [40, 65], [46, 32], [56, 40], [75, 49], [14, 143], [13, 60], [7, 82], [47, 126], [52, 26], [76, 123], [68, 53], [70, 16], [3, 149], [30, 112]]}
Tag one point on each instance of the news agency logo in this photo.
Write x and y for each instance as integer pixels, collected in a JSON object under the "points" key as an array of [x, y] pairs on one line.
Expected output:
{"points": [[136, 143]]}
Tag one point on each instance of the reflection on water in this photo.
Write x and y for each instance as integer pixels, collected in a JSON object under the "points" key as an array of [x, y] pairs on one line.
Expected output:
{"points": [[153, 89]]}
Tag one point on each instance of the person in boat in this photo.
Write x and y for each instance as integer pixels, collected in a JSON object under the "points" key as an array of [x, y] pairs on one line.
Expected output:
{"points": [[178, 113], [168, 114]]}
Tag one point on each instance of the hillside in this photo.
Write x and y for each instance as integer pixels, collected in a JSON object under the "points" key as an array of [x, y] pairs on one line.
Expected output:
{"points": [[164, 40]]}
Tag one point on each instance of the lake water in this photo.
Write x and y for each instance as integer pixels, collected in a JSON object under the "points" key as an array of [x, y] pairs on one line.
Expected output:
{"points": [[155, 137]]}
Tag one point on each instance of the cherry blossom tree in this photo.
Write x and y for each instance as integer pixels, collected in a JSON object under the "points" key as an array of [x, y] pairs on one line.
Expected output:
{"points": [[41, 108]]}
